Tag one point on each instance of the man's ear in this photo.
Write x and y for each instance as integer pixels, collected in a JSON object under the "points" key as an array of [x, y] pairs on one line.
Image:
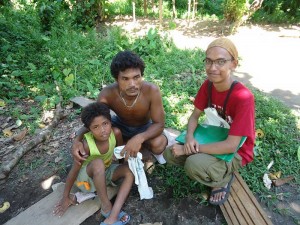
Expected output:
{"points": [[235, 63]]}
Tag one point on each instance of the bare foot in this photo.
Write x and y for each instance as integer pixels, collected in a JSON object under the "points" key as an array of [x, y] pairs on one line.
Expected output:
{"points": [[177, 150], [218, 196]]}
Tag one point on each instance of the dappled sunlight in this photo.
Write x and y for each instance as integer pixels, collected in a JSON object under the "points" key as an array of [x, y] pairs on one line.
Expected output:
{"points": [[267, 60], [46, 184]]}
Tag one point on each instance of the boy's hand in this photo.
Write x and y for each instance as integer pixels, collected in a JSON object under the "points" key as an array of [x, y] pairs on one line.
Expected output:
{"points": [[78, 152], [63, 205], [191, 146]]}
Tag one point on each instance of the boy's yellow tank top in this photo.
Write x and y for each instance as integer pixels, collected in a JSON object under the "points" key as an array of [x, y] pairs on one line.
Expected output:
{"points": [[95, 153]]}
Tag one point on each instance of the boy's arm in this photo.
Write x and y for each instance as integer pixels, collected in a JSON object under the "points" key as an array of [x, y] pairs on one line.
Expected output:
{"points": [[66, 201], [191, 146]]}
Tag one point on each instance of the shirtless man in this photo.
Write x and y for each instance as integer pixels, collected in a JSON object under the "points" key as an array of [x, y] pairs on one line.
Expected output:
{"points": [[138, 106]]}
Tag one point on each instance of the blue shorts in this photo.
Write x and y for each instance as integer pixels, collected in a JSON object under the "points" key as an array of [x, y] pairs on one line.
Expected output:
{"points": [[127, 131]]}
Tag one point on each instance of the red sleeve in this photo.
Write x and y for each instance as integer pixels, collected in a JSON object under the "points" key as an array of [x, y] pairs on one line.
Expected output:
{"points": [[201, 99]]}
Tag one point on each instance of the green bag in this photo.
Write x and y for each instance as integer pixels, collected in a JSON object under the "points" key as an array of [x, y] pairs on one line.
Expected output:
{"points": [[205, 134]]}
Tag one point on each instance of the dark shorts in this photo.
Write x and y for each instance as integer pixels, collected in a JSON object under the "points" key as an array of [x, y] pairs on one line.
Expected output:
{"points": [[127, 131]]}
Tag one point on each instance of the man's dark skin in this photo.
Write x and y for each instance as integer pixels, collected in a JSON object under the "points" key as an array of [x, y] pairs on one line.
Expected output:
{"points": [[135, 101]]}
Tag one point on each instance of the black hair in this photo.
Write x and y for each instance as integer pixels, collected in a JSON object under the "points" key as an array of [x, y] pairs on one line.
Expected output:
{"points": [[126, 60], [91, 111]]}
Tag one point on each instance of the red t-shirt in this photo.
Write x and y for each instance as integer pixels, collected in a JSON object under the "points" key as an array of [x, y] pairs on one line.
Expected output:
{"points": [[240, 113]]}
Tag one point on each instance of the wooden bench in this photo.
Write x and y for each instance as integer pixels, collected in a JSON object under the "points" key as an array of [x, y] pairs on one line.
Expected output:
{"points": [[242, 207]]}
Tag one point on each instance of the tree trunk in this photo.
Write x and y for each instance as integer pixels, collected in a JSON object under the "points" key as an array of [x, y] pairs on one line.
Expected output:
{"points": [[19, 152], [160, 13], [145, 8], [251, 9], [189, 12], [174, 9], [194, 9], [133, 10]]}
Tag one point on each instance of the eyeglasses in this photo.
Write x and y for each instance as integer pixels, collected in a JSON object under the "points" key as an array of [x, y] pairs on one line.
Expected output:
{"points": [[218, 62]]}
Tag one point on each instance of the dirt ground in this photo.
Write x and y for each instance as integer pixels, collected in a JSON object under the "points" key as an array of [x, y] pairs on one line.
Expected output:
{"points": [[51, 159]]}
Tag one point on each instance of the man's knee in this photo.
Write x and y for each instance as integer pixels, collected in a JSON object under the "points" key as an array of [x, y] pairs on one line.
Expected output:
{"points": [[158, 144]]}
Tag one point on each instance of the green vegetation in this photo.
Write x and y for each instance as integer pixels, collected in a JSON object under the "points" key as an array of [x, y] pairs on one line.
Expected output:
{"points": [[37, 52]]}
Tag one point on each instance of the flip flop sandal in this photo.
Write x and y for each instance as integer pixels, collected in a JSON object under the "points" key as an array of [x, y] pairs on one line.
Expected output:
{"points": [[115, 223], [226, 190], [121, 214]]}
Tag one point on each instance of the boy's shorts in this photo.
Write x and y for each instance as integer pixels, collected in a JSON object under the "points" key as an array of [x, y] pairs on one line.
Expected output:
{"points": [[86, 184]]}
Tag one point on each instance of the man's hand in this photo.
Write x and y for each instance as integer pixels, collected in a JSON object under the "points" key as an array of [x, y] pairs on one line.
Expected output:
{"points": [[191, 146], [78, 152], [132, 147]]}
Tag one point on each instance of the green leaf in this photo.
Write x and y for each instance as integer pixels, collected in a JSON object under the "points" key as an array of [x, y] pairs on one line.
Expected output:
{"points": [[299, 153], [69, 79], [66, 71]]}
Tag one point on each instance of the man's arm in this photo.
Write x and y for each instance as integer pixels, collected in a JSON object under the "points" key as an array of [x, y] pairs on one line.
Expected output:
{"points": [[157, 114], [78, 151]]}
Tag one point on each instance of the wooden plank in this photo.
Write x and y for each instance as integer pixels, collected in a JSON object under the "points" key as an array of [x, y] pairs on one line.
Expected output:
{"points": [[225, 214], [231, 214], [237, 211], [251, 208], [242, 207], [82, 101], [41, 213], [253, 199]]}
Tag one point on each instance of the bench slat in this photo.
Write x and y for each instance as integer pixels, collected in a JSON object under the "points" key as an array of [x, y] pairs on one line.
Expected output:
{"points": [[242, 207]]}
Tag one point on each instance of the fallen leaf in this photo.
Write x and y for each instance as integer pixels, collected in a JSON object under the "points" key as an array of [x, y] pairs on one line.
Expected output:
{"points": [[267, 181], [275, 175], [7, 132], [41, 125], [4, 125], [259, 133], [57, 159], [54, 144], [282, 181], [70, 105], [205, 195], [2, 103], [20, 135], [18, 122], [51, 151]]}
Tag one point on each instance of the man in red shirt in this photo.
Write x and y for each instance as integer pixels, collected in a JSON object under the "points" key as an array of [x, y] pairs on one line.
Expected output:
{"points": [[197, 159]]}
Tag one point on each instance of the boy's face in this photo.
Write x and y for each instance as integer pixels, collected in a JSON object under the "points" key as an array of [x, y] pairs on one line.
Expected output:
{"points": [[217, 73], [100, 128], [130, 81]]}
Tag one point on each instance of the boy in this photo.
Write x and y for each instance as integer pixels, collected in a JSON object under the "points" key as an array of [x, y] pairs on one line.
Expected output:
{"points": [[97, 170]]}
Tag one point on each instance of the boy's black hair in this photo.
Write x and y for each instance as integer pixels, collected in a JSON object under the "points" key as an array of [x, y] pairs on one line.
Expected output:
{"points": [[91, 111], [126, 60]]}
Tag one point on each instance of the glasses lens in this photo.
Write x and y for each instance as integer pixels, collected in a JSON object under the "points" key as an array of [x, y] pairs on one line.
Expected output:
{"points": [[208, 62], [220, 62]]}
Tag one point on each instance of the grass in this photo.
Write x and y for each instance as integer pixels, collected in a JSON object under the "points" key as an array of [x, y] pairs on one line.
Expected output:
{"points": [[78, 60]]}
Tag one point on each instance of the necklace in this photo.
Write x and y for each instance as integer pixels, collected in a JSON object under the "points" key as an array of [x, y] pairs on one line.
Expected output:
{"points": [[135, 100]]}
